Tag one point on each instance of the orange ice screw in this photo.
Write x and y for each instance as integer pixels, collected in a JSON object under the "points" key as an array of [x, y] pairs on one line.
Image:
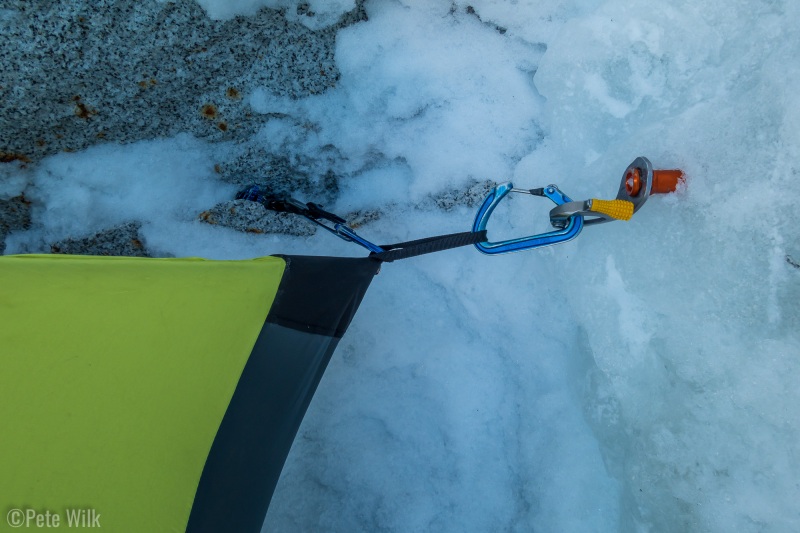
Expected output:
{"points": [[665, 181]]}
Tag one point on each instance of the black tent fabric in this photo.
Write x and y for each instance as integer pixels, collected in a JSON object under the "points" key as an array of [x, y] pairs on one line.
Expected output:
{"points": [[316, 300]]}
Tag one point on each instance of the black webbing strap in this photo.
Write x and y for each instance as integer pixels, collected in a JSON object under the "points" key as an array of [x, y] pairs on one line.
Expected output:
{"points": [[404, 250]]}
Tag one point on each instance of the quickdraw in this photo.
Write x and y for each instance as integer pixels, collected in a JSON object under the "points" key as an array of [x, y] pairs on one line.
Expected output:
{"points": [[568, 217]]}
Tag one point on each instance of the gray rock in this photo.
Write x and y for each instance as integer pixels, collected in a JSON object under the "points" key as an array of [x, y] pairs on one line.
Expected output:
{"points": [[123, 240], [252, 217], [15, 213], [74, 73], [471, 197]]}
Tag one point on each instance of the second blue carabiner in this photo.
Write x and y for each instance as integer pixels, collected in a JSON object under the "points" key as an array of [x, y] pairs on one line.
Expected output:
{"points": [[569, 232]]}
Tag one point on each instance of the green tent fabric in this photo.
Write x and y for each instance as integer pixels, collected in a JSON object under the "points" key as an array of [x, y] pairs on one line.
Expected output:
{"points": [[164, 394]]}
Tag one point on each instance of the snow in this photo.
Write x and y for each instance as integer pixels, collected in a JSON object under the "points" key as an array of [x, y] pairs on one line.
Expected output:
{"points": [[640, 378]]}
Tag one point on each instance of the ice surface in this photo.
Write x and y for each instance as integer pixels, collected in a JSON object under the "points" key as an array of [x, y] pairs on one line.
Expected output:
{"points": [[641, 378]]}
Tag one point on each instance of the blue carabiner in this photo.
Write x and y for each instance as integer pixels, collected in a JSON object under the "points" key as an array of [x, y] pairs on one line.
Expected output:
{"points": [[569, 232], [347, 233]]}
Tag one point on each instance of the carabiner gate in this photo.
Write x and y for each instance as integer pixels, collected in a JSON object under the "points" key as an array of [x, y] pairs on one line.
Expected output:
{"points": [[570, 230]]}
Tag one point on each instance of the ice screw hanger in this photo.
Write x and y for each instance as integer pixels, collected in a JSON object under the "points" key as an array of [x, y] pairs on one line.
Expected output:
{"points": [[638, 182]]}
